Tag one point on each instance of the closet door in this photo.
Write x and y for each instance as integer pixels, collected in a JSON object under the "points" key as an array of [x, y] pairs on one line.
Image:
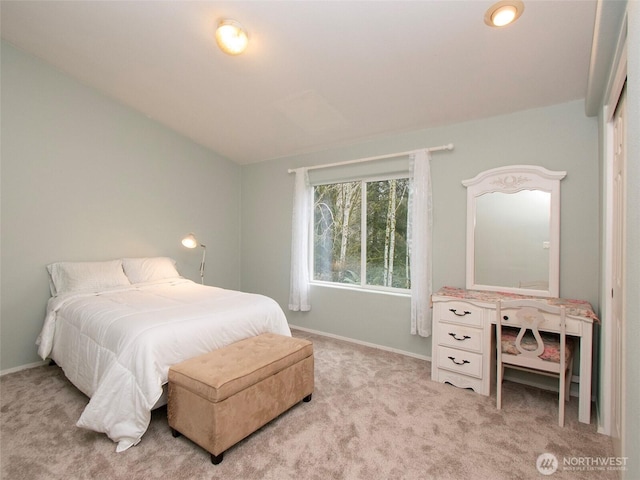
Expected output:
{"points": [[618, 292]]}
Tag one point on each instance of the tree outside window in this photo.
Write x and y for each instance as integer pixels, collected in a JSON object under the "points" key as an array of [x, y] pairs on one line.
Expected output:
{"points": [[360, 233]]}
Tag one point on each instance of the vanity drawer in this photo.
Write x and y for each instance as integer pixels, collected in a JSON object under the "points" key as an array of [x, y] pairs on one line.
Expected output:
{"points": [[462, 381], [459, 336], [460, 361], [551, 322], [460, 312]]}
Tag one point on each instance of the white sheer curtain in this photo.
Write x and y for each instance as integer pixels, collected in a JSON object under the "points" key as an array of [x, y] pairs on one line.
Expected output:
{"points": [[419, 236], [302, 198]]}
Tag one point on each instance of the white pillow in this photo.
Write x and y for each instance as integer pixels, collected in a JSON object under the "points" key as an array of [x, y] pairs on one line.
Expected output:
{"points": [[86, 276], [141, 270]]}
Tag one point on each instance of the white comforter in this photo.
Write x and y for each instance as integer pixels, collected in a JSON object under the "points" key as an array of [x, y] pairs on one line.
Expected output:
{"points": [[117, 346]]}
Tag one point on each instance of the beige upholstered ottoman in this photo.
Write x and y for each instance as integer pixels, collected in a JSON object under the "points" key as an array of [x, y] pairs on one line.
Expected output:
{"points": [[219, 398]]}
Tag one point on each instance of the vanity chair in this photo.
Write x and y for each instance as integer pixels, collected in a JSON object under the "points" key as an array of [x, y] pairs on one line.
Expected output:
{"points": [[523, 344]]}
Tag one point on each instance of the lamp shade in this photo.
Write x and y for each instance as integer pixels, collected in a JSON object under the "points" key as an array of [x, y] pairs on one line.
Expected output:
{"points": [[190, 241]]}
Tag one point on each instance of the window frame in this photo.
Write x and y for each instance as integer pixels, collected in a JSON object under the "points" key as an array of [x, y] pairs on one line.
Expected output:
{"points": [[363, 286]]}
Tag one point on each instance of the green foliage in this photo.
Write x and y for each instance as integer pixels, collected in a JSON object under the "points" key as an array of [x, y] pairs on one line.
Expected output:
{"points": [[387, 253], [337, 211], [338, 236]]}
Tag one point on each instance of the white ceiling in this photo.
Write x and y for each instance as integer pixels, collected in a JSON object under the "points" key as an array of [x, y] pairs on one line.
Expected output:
{"points": [[316, 73]]}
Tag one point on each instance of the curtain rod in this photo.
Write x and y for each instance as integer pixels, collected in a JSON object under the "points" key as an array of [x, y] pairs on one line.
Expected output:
{"points": [[380, 157]]}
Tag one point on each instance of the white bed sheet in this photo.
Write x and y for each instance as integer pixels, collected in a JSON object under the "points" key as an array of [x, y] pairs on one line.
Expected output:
{"points": [[116, 346]]}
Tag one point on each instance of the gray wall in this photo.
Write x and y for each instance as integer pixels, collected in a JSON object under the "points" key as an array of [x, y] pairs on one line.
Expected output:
{"points": [[84, 178], [560, 137]]}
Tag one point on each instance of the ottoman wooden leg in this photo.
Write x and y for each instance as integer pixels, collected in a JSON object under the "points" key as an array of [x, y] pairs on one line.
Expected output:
{"points": [[175, 433], [216, 459], [307, 398]]}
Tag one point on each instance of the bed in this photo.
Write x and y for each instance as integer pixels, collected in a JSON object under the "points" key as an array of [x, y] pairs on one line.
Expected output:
{"points": [[116, 327]]}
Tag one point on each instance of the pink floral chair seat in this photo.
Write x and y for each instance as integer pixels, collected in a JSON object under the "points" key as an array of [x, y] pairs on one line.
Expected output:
{"points": [[551, 342]]}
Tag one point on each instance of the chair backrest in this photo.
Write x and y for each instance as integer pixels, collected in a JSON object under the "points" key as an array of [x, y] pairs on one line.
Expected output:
{"points": [[529, 315]]}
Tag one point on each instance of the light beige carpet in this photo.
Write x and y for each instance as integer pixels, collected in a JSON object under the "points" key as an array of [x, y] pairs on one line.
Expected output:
{"points": [[374, 415]]}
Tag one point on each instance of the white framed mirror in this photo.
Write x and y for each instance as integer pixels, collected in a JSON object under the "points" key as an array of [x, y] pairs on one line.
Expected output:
{"points": [[513, 230]]}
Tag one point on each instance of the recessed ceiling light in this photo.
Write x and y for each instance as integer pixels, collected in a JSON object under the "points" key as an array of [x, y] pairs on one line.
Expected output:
{"points": [[503, 13], [231, 37]]}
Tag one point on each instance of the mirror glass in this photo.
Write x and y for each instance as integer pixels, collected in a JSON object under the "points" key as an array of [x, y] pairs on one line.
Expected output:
{"points": [[513, 230], [512, 239]]}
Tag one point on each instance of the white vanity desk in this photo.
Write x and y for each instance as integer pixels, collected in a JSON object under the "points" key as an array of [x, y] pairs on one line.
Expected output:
{"points": [[464, 346]]}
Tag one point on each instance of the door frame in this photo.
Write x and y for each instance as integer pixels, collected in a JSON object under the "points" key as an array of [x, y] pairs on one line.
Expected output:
{"points": [[616, 84]]}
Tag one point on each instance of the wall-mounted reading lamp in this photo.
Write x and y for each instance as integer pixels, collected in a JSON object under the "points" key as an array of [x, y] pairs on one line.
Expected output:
{"points": [[190, 242]]}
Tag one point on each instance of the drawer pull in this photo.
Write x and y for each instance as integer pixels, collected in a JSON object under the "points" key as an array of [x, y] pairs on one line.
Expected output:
{"points": [[459, 338], [455, 312], [453, 359]]}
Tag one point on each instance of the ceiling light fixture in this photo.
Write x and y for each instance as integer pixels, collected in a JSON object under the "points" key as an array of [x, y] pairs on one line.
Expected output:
{"points": [[503, 13], [231, 37]]}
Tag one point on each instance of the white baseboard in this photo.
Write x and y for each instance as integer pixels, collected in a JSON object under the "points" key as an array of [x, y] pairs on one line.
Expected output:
{"points": [[359, 342], [23, 367]]}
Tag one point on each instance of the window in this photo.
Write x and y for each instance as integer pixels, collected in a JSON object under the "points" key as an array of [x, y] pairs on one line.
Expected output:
{"points": [[360, 233]]}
